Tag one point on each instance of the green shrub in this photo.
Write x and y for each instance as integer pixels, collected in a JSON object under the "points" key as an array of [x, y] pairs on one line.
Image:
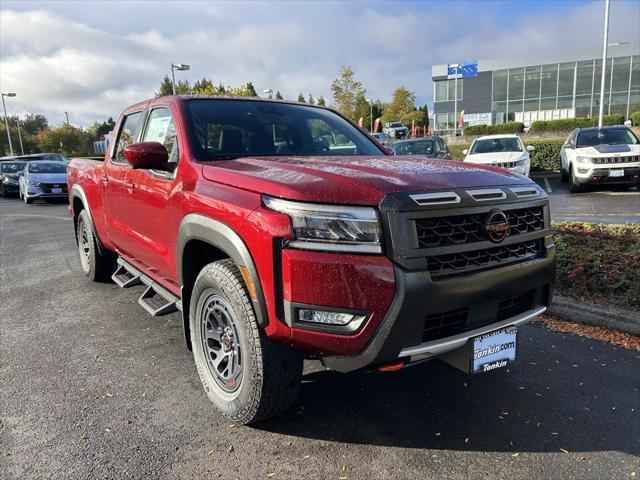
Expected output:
{"points": [[598, 263], [509, 127], [456, 151], [546, 156], [635, 119], [568, 124]]}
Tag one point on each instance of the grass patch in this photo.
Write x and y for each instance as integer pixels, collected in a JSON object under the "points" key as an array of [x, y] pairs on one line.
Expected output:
{"points": [[598, 263]]}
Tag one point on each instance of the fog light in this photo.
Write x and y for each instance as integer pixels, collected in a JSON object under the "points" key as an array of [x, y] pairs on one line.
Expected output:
{"points": [[582, 170], [595, 178], [327, 317]]}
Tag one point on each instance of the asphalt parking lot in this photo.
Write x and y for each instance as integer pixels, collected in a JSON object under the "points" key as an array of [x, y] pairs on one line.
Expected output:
{"points": [[93, 387], [602, 204]]}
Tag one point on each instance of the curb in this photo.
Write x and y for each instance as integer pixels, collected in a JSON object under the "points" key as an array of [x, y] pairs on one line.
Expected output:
{"points": [[598, 315], [544, 174]]}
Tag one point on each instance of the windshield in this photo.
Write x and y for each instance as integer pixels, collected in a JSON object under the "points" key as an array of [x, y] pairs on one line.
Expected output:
{"points": [[395, 124], [422, 147], [227, 129], [11, 167], [608, 136], [493, 145], [49, 167]]}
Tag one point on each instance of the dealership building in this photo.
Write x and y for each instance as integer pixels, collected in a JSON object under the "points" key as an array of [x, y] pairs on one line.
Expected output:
{"points": [[563, 84]]}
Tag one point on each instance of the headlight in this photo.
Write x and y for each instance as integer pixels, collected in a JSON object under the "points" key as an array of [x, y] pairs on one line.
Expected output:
{"points": [[583, 159], [330, 227], [522, 163]]}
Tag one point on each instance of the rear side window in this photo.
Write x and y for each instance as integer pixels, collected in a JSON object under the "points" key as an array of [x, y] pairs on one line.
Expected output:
{"points": [[161, 128], [126, 135]]}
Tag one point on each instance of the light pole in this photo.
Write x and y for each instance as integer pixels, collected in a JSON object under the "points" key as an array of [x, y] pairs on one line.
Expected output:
{"points": [[174, 67], [604, 63], [455, 66], [20, 136], [66, 114], [6, 121], [370, 115]]}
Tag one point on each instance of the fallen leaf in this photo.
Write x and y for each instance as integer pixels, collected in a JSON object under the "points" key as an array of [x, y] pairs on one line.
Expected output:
{"points": [[307, 456], [210, 452], [563, 450], [271, 474], [514, 455], [83, 437], [107, 429], [230, 449], [466, 440]]}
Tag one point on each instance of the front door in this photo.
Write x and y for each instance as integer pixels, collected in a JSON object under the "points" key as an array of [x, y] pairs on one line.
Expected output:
{"points": [[155, 214]]}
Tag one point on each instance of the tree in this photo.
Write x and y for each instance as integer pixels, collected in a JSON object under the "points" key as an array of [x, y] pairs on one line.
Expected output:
{"points": [[33, 123], [321, 101], [301, 98], [279, 95], [310, 100], [425, 111], [97, 130], [204, 87], [345, 91], [182, 87], [66, 139], [362, 110], [251, 90], [402, 108]]}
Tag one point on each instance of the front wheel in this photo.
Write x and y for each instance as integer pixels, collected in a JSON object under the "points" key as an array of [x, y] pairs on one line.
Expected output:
{"points": [[27, 200], [575, 187], [248, 377]]}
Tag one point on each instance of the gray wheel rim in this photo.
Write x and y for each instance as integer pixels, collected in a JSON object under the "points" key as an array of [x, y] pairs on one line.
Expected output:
{"points": [[84, 245], [221, 343]]}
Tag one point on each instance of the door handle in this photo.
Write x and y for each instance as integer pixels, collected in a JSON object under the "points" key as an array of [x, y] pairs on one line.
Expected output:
{"points": [[129, 184]]}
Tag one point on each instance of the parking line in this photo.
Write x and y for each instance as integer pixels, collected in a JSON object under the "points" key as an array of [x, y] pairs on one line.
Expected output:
{"points": [[546, 181]]}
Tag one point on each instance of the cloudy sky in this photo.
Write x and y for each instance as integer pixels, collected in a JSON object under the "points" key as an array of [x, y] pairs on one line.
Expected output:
{"points": [[93, 58]]}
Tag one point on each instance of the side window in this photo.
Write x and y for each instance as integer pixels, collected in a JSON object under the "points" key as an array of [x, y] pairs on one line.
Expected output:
{"points": [[161, 128], [126, 135]]}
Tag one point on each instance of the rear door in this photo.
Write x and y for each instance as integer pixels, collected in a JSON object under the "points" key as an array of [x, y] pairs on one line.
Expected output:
{"points": [[117, 186]]}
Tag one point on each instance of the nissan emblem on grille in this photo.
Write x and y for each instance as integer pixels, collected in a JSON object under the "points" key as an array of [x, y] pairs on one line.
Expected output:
{"points": [[497, 226]]}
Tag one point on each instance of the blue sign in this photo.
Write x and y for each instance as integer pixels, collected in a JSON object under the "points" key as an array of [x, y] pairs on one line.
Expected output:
{"points": [[462, 70]]}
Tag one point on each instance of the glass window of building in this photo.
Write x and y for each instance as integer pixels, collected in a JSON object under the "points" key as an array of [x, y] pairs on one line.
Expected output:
{"points": [[618, 102], [500, 85], [598, 76], [548, 103], [516, 85], [620, 75], [635, 73], [441, 91], [583, 105], [549, 81], [532, 84], [584, 78], [565, 79], [565, 102], [634, 102], [453, 88]]}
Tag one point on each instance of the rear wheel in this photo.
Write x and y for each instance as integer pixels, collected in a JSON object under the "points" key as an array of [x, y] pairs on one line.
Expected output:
{"points": [[248, 377], [96, 265], [3, 191]]}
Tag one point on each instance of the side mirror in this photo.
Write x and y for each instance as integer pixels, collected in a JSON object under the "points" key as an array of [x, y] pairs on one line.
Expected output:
{"points": [[146, 154], [390, 151], [465, 151], [530, 148]]}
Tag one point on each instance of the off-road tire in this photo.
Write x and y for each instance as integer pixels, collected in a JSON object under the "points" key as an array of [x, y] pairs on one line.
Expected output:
{"points": [[564, 176], [97, 265], [271, 372], [27, 200]]}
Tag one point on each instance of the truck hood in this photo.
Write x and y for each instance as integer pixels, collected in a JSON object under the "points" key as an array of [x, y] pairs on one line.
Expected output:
{"points": [[496, 157], [352, 180], [609, 150]]}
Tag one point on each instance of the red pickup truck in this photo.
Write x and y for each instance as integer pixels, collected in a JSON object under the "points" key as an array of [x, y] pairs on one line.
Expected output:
{"points": [[282, 231]]}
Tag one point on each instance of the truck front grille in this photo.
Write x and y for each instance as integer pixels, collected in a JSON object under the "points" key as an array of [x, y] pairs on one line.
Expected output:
{"points": [[484, 258], [460, 229], [454, 322]]}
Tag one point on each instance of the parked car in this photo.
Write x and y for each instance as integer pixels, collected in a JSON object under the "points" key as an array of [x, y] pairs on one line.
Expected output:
{"points": [[382, 138], [607, 155], [504, 151], [395, 130], [273, 252], [43, 179], [9, 175], [432, 147]]}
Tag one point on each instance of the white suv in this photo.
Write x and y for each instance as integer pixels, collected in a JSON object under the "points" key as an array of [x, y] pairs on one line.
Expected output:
{"points": [[606, 155], [505, 151]]}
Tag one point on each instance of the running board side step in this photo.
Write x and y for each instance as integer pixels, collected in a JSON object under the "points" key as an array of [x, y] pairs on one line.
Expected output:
{"points": [[155, 299]]}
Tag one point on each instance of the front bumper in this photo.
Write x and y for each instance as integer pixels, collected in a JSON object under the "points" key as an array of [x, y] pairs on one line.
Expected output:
{"points": [[11, 187], [592, 174], [479, 302]]}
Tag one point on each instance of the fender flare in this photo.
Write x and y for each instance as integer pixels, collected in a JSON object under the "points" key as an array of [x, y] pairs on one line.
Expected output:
{"points": [[78, 192], [217, 234]]}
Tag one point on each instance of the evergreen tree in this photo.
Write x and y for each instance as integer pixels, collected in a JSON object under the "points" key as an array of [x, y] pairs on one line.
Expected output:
{"points": [[279, 95], [310, 100], [321, 101], [301, 98]]}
